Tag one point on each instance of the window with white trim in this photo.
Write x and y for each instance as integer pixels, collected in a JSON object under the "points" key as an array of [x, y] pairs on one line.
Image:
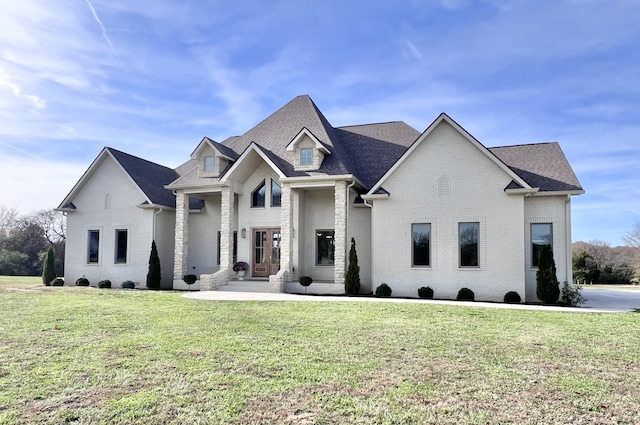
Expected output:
{"points": [[469, 244], [258, 196], [325, 247], [306, 156], [421, 244], [122, 236], [541, 235], [93, 247]]}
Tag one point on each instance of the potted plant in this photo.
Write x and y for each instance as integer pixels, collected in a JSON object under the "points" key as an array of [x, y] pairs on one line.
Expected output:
{"points": [[241, 268], [305, 281]]}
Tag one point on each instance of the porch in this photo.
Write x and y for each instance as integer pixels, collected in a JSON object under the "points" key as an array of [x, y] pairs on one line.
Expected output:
{"points": [[261, 285]]}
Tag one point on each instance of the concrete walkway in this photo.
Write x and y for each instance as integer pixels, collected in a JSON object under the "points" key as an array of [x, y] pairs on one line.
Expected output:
{"points": [[599, 300]]}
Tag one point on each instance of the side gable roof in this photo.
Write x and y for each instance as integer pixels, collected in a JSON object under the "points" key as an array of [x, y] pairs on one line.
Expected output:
{"points": [[223, 150], [445, 118], [542, 165]]}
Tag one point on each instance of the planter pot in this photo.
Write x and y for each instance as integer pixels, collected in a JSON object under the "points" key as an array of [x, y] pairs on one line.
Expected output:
{"points": [[241, 274]]}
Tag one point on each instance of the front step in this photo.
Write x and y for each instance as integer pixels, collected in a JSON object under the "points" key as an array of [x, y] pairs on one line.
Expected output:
{"points": [[246, 286]]}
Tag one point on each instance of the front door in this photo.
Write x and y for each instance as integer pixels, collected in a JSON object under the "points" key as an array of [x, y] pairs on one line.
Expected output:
{"points": [[266, 251]]}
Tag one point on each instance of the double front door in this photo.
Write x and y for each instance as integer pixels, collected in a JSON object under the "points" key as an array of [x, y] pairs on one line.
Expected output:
{"points": [[266, 251]]}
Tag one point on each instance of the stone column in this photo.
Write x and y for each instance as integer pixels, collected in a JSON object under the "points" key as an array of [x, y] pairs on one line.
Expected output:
{"points": [[340, 228], [227, 212], [286, 231], [181, 247]]}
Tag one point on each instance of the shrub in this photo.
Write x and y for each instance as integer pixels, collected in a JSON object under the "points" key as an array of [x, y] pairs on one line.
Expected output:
{"points": [[572, 294], [240, 266], [305, 280], [49, 267], [127, 284], [425, 292], [352, 279], [106, 283], [190, 279], [547, 285], [383, 290], [154, 275], [83, 281], [512, 297], [58, 281], [466, 294]]}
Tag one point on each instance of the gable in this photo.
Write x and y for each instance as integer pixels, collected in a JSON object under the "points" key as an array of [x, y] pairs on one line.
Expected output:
{"points": [[453, 144]]}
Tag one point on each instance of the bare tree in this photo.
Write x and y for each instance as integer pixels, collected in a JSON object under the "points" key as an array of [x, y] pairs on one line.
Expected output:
{"points": [[601, 252], [8, 220], [632, 237]]}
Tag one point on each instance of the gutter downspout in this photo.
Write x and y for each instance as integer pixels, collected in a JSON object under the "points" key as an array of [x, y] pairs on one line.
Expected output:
{"points": [[154, 226], [567, 231], [346, 227]]}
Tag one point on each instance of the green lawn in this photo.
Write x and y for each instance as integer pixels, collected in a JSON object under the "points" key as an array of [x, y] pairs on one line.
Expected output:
{"points": [[85, 355]]}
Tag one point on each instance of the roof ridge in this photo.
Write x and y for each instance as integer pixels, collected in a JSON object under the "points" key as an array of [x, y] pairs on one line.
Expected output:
{"points": [[524, 144], [372, 123]]}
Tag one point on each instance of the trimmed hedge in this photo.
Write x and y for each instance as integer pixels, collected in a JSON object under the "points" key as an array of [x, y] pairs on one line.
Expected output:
{"points": [[127, 284], [383, 290], [104, 284], [305, 280], [512, 297], [83, 281], [466, 294], [425, 292]]}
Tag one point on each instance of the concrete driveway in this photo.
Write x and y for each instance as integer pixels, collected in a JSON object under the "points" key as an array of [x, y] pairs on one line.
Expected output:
{"points": [[611, 299], [598, 300]]}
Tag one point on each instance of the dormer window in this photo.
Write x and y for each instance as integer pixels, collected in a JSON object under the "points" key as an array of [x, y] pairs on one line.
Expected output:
{"points": [[308, 151], [306, 156], [208, 165]]}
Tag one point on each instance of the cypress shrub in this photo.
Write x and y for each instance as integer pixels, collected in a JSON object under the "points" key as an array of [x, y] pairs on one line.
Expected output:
{"points": [[547, 285], [352, 279], [154, 276], [49, 267]]}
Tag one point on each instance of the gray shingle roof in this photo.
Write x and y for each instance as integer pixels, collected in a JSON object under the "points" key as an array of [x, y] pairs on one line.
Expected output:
{"points": [[542, 165], [151, 178]]}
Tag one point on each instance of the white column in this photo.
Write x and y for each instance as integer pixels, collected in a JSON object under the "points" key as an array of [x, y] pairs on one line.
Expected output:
{"points": [[227, 207]]}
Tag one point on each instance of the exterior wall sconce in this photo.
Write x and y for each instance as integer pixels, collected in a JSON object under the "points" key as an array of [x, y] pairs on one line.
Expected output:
{"points": [[243, 233]]}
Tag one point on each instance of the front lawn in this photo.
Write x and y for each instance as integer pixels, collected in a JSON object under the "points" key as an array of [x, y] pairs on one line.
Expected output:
{"points": [[86, 355]]}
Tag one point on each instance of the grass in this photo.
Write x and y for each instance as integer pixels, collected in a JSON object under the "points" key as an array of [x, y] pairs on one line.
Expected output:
{"points": [[84, 355]]}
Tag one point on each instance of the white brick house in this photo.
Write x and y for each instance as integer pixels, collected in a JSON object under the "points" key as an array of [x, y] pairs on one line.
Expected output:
{"points": [[435, 209]]}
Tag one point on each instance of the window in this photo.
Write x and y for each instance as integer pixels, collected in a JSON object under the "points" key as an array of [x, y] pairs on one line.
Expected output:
{"points": [[208, 164], [121, 246], [276, 194], [421, 240], [93, 252], [257, 197], [325, 247], [306, 156], [540, 236], [468, 236]]}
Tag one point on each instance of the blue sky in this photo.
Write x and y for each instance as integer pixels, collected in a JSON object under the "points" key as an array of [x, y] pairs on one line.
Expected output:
{"points": [[152, 78]]}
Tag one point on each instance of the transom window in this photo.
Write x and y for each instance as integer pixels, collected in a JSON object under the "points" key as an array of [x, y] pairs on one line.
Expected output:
{"points": [[325, 247], [276, 194], [258, 196], [469, 237], [421, 244], [306, 156], [121, 246], [541, 235], [208, 164], [93, 248]]}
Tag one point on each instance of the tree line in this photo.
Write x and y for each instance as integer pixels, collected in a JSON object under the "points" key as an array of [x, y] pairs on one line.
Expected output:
{"points": [[25, 239], [597, 261]]}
